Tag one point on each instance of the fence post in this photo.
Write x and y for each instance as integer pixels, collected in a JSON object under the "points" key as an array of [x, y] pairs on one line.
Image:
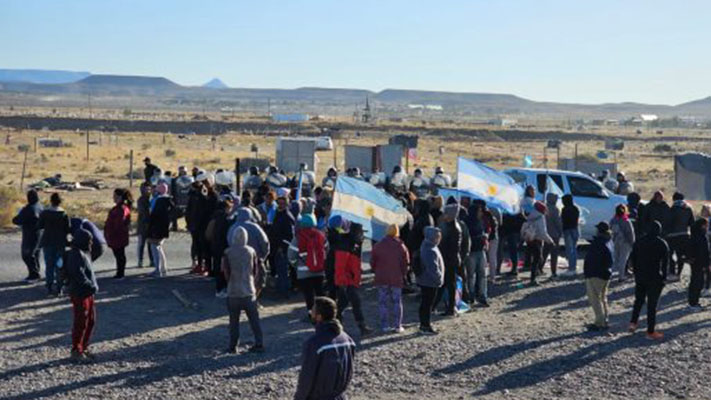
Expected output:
{"points": [[237, 176], [24, 164], [87, 145], [130, 169]]}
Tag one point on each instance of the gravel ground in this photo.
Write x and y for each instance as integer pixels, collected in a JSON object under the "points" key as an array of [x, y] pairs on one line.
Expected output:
{"points": [[529, 344]]}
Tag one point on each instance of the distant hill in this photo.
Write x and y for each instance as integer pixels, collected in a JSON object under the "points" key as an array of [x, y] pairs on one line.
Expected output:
{"points": [[128, 80], [215, 83], [41, 76]]}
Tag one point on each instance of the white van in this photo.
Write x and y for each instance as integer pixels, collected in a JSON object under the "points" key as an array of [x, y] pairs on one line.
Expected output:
{"points": [[596, 203], [324, 143]]}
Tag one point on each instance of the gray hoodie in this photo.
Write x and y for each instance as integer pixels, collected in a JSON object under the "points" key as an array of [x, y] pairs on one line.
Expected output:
{"points": [[431, 259], [240, 266], [257, 239]]}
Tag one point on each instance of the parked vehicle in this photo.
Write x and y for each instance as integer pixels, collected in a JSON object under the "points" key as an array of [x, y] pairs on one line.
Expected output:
{"points": [[596, 203]]}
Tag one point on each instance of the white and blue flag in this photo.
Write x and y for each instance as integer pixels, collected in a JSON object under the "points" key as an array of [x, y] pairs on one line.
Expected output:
{"points": [[552, 187], [496, 188], [360, 202]]}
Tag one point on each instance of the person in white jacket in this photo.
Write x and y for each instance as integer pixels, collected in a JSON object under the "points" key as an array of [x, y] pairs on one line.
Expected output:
{"points": [[535, 234], [623, 240]]}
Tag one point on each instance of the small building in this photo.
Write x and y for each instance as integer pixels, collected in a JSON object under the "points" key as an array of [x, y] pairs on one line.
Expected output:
{"points": [[291, 117], [50, 142]]}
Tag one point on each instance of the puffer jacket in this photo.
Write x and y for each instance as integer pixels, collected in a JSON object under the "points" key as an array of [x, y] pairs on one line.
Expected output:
{"points": [[598, 260], [535, 228], [431, 261], [79, 273], [55, 223], [347, 253], [681, 217], [327, 360]]}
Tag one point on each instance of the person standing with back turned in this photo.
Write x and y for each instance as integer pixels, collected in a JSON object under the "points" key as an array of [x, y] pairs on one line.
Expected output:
{"points": [[650, 258]]}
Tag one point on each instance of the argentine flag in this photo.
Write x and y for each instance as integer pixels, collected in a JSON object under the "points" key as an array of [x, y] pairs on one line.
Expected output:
{"points": [[496, 188], [363, 203]]}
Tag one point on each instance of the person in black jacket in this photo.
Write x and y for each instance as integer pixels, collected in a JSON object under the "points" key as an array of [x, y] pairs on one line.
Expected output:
{"points": [[159, 227], [681, 218], [450, 247], [217, 235], [699, 253], [82, 286], [149, 170], [327, 357], [511, 236], [28, 219], [649, 258], [656, 210], [598, 270], [570, 216], [422, 219], [192, 218], [55, 223], [280, 234]]}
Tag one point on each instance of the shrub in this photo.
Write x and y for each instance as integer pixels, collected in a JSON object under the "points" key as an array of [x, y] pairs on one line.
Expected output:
{"points": [[102, 169], [137, 174], [169, 152], [10, 201], [145, 146], [23, 148], [662, 148]]}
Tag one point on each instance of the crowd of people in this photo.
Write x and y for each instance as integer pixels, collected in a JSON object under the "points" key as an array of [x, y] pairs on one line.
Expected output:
{"points": [[279, 233]]}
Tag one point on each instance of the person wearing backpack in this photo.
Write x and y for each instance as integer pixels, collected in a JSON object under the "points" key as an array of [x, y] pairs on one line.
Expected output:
{"points": [[307, 252]]}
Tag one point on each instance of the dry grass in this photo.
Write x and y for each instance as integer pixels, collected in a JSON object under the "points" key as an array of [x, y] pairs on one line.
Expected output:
{"points": [[10, 201]]}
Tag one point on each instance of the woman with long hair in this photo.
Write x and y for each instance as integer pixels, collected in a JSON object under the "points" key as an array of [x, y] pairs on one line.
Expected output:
{"points": [[117, 226], [623, 239]]}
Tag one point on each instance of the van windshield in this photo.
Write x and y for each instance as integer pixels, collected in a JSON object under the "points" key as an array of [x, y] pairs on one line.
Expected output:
{"points": [[585, 187]]}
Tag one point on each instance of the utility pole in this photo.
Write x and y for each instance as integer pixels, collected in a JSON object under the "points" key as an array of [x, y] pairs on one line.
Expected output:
{"points": [[269, 107], [87, 145], [130, 169]]}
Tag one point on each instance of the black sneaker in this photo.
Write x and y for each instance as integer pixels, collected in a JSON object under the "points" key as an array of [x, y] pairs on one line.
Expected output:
{"points": [[118, 277], [365, 331], [257, 348], [484, 304], [427, 330]]}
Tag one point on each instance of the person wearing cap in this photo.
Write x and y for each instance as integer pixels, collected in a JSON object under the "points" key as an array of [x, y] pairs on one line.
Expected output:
{"points": [[597, 269], [82, 287], [161, 208], [450, 247], [149, 170], [624, 238], [535, 233], [649, 259]]}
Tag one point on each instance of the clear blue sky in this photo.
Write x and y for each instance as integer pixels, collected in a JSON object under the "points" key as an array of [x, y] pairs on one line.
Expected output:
{"points": [[557, 50]]}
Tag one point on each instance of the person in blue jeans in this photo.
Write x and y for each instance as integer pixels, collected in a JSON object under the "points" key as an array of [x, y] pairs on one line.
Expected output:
{"points": [[55, 225], [571, 232]]}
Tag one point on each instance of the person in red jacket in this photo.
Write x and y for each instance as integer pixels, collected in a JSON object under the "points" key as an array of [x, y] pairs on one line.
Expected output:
{"points": [[116, 228], [389, 261], [347, 251]]}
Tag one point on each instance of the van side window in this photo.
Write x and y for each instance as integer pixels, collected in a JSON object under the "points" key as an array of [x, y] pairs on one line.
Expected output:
{"points": [[584, 187], [541, 181], [517, 177]]}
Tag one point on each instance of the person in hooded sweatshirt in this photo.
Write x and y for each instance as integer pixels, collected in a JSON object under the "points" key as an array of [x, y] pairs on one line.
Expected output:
{"points": [[554, 223], [28, 219], [327, 357], [624, 238], [161, 209], [570, 216], [55, 225], [307, 253], [281, 233], [82, 287], [98, 241], [239, 266], [430, 276], [258, 240], [476, 266], [389, 261], [699, 254], [650, 259], [535, 234], [450, 248], [681, 218], [598, 270], [656, 209], [422, 219]]}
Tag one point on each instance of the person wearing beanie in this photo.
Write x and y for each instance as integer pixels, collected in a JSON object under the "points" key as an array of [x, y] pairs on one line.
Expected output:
{"points": [[82, 287], [450, 247], [307, 253], [700, 260], [535, 234], [598, 270], [161, 209], [681, 218], [327, 357], [623, 239], [28, 219], [649, 259], [389, 261]]}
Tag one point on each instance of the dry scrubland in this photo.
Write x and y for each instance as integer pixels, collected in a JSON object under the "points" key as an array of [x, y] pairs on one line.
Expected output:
{"points": [[650, 169]]}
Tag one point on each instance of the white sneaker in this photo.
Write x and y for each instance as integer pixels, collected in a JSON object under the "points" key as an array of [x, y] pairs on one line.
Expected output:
{"points": [[222, 294], [399, 329], [569, 273]]}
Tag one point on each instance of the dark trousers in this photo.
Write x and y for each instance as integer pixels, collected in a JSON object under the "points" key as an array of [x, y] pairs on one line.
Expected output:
{"points": [[30, 256], [220, 282], [83, 325], [450, 286], [533, 256], [552, 250], [649, 291], [349, 295], [696, 284], [512, 242], [428, 295], [195, 247], [235, 306], [311, 287], [120, 256], [677, 253]]}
